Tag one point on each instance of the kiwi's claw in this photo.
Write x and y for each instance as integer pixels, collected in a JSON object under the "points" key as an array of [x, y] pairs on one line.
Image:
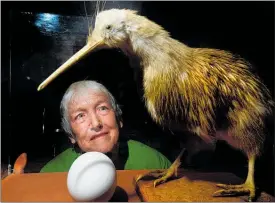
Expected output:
{"points": [[235, 190]]}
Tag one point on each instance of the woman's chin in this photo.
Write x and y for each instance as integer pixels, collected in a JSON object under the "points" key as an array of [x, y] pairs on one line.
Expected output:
{"points": [[101, 144]]}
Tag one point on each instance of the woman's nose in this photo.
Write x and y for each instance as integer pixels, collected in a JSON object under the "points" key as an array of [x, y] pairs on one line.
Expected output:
{"points": [[95, 122]]}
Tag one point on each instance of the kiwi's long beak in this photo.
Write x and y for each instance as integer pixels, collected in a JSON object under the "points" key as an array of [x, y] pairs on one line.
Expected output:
{"points": [[75, 58]]}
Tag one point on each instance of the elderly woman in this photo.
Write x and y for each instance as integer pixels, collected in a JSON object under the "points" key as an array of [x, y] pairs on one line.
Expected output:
{"points": [[92, 119]]}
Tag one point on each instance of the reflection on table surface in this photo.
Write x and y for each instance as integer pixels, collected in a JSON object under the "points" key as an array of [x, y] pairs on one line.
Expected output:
{"points": [[52, 187]]}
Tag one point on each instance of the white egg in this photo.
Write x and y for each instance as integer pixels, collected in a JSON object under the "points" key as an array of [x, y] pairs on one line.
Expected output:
{"points": [[92, 177]]}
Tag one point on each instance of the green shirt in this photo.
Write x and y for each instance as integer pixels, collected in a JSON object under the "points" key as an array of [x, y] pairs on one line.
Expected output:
{"points": [[139, 156]]}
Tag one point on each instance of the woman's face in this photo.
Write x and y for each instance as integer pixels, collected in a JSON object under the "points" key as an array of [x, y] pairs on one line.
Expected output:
{"points": [[93, 121]]}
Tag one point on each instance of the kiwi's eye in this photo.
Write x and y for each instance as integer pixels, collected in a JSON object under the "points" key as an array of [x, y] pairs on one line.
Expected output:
{"points": [[108, 27]]}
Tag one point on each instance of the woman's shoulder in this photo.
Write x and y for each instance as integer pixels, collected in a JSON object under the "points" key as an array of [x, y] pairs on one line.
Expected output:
{"points": [[143, 156], [137, 145], [61, 162]]}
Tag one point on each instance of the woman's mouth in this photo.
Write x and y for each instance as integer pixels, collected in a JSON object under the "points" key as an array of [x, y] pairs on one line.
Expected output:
{"points": [[99, 135]]}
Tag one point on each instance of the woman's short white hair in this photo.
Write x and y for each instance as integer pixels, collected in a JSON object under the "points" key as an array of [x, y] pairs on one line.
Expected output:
{"points": [[84, 86]]}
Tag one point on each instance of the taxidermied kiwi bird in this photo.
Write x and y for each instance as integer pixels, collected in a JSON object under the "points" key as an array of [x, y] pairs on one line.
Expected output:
{"points": [[209, 92]]}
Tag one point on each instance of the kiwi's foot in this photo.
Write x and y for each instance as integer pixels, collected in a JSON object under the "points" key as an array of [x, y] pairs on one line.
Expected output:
{"points": [[161, 176], [236, 190]]}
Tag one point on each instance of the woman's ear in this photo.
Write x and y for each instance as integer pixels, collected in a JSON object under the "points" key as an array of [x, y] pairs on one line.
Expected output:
{"points": [[72, 140]]}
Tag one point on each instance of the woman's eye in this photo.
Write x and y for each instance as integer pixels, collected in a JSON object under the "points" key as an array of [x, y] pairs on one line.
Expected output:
{"points": [[81, 115], [103, 108]]}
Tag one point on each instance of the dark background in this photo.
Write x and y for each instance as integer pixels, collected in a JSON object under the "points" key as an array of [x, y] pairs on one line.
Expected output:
{"points": [[34, 44]]}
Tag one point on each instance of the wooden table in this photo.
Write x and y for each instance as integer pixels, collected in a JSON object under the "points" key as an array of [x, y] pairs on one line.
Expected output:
{"points": [[52, 187], [194, 186]]}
